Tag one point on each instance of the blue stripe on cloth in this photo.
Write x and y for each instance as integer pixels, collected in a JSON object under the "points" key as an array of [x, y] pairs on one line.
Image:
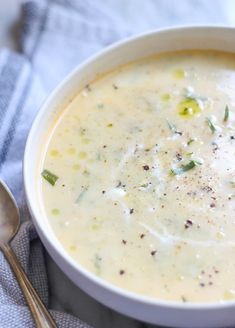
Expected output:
{"points": [[8, 80], [9, 137], [32, 11], [34, 17]]}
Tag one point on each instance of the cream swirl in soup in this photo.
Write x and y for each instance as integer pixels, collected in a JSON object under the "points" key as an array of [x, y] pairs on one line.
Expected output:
{"points": [[138, 179]]}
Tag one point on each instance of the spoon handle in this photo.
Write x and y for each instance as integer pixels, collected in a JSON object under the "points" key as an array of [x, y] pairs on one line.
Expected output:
{"points": [[41, 315]]}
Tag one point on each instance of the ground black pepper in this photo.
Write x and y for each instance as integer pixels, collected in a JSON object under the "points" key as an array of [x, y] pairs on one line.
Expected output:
{"points": [[146, 167], [188, 223], [179, 157]]}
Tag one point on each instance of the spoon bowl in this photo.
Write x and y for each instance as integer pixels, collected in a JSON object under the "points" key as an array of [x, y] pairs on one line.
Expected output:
{"points": [[9, 214], [9, 225]]}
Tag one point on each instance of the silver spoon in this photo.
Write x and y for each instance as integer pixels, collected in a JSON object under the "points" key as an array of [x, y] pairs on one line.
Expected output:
{"points": [[9, 225]]}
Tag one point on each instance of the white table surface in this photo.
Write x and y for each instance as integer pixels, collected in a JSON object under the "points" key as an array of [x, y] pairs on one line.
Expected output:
{"points": [[64, 295]]}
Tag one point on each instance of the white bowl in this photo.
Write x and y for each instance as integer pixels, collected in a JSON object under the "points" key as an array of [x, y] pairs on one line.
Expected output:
{"points": [[139, 307]]}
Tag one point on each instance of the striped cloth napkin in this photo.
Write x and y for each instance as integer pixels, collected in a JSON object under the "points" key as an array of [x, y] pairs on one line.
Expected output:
{"points": [[56, 35]]}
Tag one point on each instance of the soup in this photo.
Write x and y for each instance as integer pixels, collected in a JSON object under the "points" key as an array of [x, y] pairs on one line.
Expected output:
{"points": [[138, 178]]}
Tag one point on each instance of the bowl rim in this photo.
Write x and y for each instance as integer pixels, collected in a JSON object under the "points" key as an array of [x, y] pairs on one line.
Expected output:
{"points": [[111, 288]]}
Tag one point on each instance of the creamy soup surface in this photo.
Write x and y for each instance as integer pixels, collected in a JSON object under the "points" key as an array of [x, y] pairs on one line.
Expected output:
{"points": [[138, 179]]}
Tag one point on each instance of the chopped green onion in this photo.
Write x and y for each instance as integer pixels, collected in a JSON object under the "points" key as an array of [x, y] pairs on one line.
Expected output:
{"points": [[211, 125], [144, 185], [185, 168], [172, 127], [82, 193], [50, 177], [226, 113], [190, 141], [232, 183], [97, 264], [100, 106]]}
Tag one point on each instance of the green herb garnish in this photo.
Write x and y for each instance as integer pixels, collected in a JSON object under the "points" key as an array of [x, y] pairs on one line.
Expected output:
{"points": [[190, 141], [50, 177], [144, 185], [82, 193], [100, 106], [226, 113], [211, 125], [172, 127], [185, 168], [232, 183], [97, 264]]}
